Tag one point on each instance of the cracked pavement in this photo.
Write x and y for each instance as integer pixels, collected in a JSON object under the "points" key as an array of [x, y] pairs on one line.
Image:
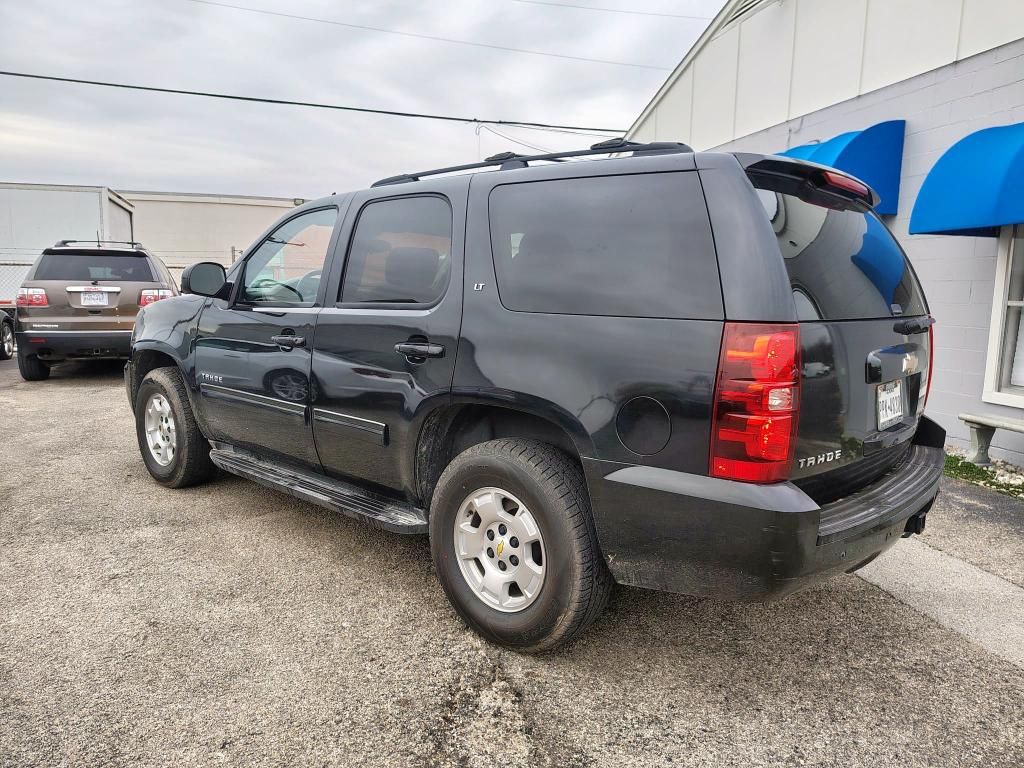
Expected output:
{"points": [[231, 625]]}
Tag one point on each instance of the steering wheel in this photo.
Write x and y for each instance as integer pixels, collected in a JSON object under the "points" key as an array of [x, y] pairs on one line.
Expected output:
{"points": [[262, 282], [309, 283]]}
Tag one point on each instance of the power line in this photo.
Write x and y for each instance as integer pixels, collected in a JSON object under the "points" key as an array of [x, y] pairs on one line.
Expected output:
{"points": [[311, 104], [571, 131], [420, 36], [614, 10], [514, 140]]}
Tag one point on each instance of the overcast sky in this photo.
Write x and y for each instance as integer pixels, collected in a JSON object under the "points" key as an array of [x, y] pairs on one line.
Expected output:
{"points": [[61, 133]]}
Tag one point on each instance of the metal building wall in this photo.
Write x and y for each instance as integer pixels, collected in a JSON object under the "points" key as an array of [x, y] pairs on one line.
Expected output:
{"points": [[787, 58], [183, 229]]}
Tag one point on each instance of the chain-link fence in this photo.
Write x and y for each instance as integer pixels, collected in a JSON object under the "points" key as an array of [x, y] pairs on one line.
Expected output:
{"points": [[12, 275]]}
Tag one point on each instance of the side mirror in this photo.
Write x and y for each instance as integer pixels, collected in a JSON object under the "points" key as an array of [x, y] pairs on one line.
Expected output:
{"points": [[207, 278]]}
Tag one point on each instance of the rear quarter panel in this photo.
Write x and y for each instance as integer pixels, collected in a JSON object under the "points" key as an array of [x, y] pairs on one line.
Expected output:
{"points": [[578, 370]]}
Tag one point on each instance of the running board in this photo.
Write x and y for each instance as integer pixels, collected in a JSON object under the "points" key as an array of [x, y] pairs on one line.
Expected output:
{"points": [[379, 511]]}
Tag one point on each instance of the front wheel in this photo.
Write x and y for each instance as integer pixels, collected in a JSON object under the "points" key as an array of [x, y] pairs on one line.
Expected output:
{"points": [[515, 547], [174, 450]]}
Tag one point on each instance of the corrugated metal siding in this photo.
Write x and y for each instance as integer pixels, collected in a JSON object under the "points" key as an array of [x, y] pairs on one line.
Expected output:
{"points": [[792, 57]]}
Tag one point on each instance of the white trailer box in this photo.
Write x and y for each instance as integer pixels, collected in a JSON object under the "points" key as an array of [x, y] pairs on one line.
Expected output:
{"points": [[35, 216]]}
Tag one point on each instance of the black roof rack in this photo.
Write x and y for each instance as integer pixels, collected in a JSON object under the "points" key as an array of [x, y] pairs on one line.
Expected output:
{"points": [[509, 160], [99, 243]]}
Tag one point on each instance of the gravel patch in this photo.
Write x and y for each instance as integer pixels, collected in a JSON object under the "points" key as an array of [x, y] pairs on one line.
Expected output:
{"points": [[230, 625]]}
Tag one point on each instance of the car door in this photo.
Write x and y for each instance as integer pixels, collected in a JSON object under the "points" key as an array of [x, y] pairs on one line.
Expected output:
{"points": [[252, 354], [385, 346]]}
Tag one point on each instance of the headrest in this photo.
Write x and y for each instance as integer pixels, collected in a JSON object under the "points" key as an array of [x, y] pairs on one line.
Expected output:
{"points": [[410, 270], [543, 247]]}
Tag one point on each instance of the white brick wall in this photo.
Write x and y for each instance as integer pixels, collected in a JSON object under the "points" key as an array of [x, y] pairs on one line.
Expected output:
{"points": [[940, 107]]}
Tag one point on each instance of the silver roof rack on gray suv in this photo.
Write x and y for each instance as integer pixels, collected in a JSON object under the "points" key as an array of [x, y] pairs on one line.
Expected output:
{"points": [[509, 160], [98, 243]]}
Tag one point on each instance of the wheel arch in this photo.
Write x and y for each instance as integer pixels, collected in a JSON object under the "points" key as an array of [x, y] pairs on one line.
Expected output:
{"points": [[148, 356], [449, 430]]}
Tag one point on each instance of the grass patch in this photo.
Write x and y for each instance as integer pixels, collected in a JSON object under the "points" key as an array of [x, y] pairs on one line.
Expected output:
{"points": [[962, 469]]}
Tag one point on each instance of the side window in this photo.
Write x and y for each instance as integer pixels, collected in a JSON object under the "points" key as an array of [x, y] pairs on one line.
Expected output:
{"points": [[400, 252], [286, 268], [631, 246]]}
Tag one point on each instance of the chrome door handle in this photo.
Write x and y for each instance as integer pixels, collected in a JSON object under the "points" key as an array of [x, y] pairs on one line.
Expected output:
{"points": [[288, 341], [421, 350]]}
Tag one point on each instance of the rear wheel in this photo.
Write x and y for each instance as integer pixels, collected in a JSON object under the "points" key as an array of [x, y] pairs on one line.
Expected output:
{"points": [[31, 367], [174, 450], [6, 337], [515, 547]]}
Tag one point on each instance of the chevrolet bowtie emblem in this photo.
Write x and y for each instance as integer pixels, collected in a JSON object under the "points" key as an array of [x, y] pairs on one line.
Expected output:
{"points": [[501, 546]]}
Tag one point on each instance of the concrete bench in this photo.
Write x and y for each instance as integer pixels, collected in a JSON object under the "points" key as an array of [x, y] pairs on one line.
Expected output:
{"points": [[982, 429]]}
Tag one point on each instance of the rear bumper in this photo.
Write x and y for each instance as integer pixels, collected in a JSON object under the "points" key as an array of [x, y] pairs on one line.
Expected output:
{"points": [[54, 346], [717, 538]]}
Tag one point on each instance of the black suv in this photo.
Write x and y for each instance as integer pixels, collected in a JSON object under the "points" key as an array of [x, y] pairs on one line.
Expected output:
{"points": [[696, 372]]}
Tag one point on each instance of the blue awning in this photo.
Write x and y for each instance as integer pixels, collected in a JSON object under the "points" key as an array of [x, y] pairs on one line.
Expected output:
{"points": [[873, 155], [975, 187]]}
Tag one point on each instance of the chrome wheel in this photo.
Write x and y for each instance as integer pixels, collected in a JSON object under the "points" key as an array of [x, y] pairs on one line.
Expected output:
{"points": [[7, 340], [161, 436], [499, 549], [289, 386]]}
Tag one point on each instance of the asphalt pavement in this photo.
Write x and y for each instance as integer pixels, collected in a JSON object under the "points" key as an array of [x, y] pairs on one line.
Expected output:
{"points": [[231, 625]]}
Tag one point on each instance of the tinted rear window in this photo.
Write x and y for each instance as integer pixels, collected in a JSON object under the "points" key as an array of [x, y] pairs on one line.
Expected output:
{"points": [[635, 246], [94, 266], [842, 264]]}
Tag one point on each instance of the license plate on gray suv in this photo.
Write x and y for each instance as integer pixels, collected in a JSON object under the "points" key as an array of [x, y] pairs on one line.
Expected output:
{"points": [[890, 404], [94, 299]]}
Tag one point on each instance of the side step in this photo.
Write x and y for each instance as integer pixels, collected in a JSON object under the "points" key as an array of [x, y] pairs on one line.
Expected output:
{"points": [[379, 511]]}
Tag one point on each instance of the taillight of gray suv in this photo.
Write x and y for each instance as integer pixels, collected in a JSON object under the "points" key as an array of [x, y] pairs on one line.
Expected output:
{"points": [[697, 372], [79, 301]]}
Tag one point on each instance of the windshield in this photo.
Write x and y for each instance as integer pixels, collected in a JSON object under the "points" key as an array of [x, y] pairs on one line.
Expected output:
{"points": [[842, 264], [94, 266]]}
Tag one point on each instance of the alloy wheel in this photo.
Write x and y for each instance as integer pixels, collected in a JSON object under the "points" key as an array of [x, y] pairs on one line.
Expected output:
{"points": [[161, 434], [500, 549]]}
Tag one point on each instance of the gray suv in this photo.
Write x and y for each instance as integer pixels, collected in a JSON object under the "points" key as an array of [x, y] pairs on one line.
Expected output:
{"points": [[80, 300]]}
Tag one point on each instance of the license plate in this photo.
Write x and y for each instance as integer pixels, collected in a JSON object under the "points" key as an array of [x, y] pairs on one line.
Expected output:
{"points": [[890, 404], [94, 298]]}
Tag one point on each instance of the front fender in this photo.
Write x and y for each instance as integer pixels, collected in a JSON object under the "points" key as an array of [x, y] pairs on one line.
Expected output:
{"points": [[165, 330]]}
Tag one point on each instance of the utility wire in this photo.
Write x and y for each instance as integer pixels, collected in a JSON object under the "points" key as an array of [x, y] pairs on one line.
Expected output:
{"points": [[570, 131], [311, 104], [420, 36], [614, 10], [514, 140]]}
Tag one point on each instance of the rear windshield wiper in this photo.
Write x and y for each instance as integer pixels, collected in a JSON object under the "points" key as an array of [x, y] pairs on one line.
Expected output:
{"points": [[913, 325]]}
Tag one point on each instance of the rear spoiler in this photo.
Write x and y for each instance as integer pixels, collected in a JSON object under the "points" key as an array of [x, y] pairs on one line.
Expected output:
{"points": [[72, 250], [808, 181]]}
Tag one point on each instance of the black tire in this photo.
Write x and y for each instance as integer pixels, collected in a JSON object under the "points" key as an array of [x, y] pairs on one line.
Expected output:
{"points": [[6, 336], [190, 464], [576, 580], [32, 368]]}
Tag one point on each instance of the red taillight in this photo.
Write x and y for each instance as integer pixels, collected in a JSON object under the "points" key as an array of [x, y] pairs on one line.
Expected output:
{"points": [[846, 183], [32, 297], [148, 296], [757, 399]]}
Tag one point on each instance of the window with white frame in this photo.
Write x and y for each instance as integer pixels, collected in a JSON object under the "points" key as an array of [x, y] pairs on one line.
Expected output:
{"points": [[1004, 365]]}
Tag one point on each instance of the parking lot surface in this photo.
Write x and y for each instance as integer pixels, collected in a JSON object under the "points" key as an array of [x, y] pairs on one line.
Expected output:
{"points": [[232, 625]]}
